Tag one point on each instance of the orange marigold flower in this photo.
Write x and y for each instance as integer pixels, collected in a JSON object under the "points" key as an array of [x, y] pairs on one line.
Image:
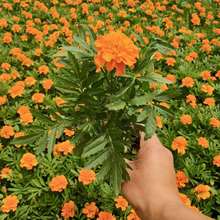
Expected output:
{"points": [[185, 200], [90, 210], [65, 147], [181, 179], [59, 101], [133, 215], [214, 122], [207, 89], [25, 114], [191, 99], [28, 161], [38, 97], [7, 132], [188, 82], [87, 176], [5, 66], [30, 81], [186, 119], [216, 160], [9, 204], [38, 52], [69, 132], [115, 50], [5, 172], [202, 191], [170, 61], [191, 56], [47, 84], [104, 215], [206, 75], [121, 203], [158, 56], [43, 69], [195, 19], [7, 38], [209, 101], [3, 100], [68, 210], [171, 78], [203, 142], [159, 121], [179, 144], [17, 89], [58, 183]]}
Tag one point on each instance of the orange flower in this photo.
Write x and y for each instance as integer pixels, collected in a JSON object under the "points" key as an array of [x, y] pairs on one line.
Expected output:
{"points": [[191, 99], [121, 203], [5, 172], [87, 176], [59, 101], [216, 160], [38, 52], [115, 50], [185, 200], [192, 56], [202, 191], [158, 56], [58, 183], [90, 210], [133, 215], [5, 66], [105, 216], [65, 147], [181, 179], [7, 131], [209, 101], [68, 210], [170, 61], [38, 97], [206, 75], [28, 161], [3, 100], [43, 69], [7, 38], [195, 19], [30, 81], [179, 144], [17, 89], [188, 82], [9, 204], [69, 132], [47, 84], [159, 121], [186, 119], [25, 114], [207, 89], [171, 78], [214, 122], [203, 142]]}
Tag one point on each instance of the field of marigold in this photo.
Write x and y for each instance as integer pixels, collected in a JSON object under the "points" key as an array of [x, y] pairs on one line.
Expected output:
{"points": [[44, 172]]}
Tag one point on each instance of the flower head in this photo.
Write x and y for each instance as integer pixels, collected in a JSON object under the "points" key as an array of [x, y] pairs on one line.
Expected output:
{"points": [[115, 50], [202, 191], [181, 179], [90, 210], [179, 144], [28, 161], [87, 176], [68, 210], [9, 204], [65, 148], [104, 215], [216, 160], [58, 183], [121, 203]]}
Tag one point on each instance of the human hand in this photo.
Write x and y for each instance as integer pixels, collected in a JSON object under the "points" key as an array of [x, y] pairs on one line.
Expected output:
{"points": [[152, 186]]}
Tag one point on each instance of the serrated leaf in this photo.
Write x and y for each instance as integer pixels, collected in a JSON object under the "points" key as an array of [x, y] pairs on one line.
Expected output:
{"points": [[115, 106], [51, 141], [97, 159], [116, 177], [150, 126], [142, 116], [28, 139], [104, 170], [141, 100], [155, 77], [94, 150], [42, 143]]}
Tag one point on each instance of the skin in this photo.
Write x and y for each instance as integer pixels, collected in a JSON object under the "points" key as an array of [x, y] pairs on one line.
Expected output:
{"points": [[152, 187]]}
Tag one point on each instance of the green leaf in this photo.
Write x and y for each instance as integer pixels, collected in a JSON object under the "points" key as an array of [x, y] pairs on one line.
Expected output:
{"points": [[104, 170], [125, 89], [117, 105], [141, 100], [116, 177], [142, 116], [155, 77], [97, 159], [150, 126], [3, 216], [94, 150], [51, 141], [28, 139], [42, 143]]}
